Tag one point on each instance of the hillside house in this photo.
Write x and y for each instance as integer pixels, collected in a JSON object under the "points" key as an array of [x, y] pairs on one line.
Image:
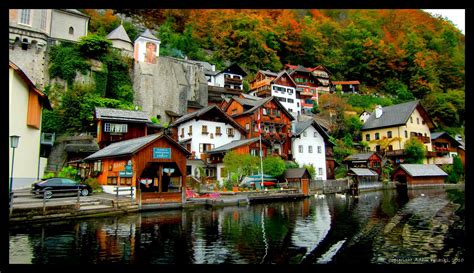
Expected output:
{"points": [[346, 86], [306, 87], [323, 75], [446, 147]]}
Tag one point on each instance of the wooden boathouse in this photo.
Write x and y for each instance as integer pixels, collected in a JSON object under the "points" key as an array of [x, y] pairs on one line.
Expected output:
{"points": [[416, 175], [155, 165]]}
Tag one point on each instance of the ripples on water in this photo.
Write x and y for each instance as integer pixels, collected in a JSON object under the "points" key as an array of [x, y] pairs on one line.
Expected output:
{"points": [[378, 227]]}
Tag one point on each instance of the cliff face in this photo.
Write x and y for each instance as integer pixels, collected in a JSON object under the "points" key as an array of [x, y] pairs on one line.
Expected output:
{"points": [[168, 85]]}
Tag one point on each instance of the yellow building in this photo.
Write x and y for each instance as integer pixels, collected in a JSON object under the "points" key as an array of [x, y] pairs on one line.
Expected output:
{"points": [[399, 122]]}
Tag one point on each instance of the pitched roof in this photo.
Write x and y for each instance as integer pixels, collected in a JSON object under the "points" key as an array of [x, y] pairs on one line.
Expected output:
{"points": [[392, 115], [296, 173], [301, 126], [234, 69], [363, 172], [232, 145], [119, 34], [268, 73], [131, 146], [147, 34], [197, 114], [283, 73], [255, 104], [324, 123], [121, 115], [194, 104], [417, 170], [437, 135], [359, 156]]}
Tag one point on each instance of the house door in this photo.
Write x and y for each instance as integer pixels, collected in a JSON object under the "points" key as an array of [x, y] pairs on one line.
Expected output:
{"points": [[305, 186]]}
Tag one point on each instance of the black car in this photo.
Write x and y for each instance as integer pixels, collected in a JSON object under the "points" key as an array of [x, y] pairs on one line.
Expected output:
{"points": [[59, 186]]}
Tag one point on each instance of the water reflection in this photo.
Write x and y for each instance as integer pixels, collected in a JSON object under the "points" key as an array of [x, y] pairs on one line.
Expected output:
{"points": [[377, 227]]}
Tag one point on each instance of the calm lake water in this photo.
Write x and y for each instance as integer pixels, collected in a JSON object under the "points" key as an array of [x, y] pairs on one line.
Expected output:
{"points": [[380, 227]]}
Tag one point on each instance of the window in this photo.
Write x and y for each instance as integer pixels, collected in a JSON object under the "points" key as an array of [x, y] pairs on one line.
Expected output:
{"points": [[264, 111], [406, 134], [411, 119], [71, 30], [377, 148], [255, 127], [290, 91], [182, 132], [319, 149], [204, 130], [310, 149], [189, 170], [276, 112], [247, 126], [203, 147], [377, 136], [320, 171], [389, 134], [112, 180], [25, 16], [390, 147], [218, 131], [290, 101], [297, 104], [304, 133], [226, 76], [282, 99], [115, 128], [44, 14], [253, 152], [315, 134], [230, 132], [190, 130], [417, 121], [300, 148], [234, 111]]}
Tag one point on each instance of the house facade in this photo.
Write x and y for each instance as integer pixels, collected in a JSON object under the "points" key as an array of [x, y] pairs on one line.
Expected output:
{"points": [[26, 103], [225, 84], [323, 75], [306, 87], [419, 175], [346, 86], [371, 160], [275, 121], [445, 148], [280, 86], [309, 146], [399, 122]]}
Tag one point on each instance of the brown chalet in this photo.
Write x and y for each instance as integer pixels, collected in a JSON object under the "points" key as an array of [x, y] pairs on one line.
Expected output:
{"points": [[274, 118], [306, 86]]}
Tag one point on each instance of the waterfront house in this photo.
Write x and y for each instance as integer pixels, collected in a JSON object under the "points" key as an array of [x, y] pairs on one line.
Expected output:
{"points": [[362, 175], [114, 125], [275, 121], [204, 130], [399, 122], [153, 164], [309, 142], [306, 87], [446, 147], [298, 178], [25, 105], [281, 86], [417, 175], [371, 160]]}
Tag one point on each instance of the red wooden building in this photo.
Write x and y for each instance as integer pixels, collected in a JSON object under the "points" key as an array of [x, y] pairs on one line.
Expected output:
{"points": [[370, 160], [275, 121], [155, 164]]}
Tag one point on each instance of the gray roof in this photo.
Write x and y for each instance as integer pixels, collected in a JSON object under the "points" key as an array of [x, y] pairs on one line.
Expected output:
{"points": [[119, 34], [129, 147], [302, 125], [121, 115], [295, 173], [363, 172], [393, 115], [232, 145], [147, 34], [359, 156], [416, 170], [437, 134], [269, 73]]}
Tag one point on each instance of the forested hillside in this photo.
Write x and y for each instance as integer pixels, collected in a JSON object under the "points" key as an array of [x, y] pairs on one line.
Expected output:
{"points": [[400, 54]]}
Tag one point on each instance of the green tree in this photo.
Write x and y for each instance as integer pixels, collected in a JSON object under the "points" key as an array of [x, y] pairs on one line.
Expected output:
{"points": [[274, 166], [94, 46], [240, 165], [415, 151], [311, 169]]}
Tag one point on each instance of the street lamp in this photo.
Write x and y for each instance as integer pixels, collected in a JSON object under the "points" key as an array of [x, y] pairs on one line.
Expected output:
{"points": [[13, 144]]}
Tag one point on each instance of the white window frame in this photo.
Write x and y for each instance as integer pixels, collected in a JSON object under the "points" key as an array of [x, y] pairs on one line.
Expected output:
{"points": [[310, 149], [300, 149], [315, 134], [30, 17], [320, 171], [319, 149], [115, 127], [44, 19]]}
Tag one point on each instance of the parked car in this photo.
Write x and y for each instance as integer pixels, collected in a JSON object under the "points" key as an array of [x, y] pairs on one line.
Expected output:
{"points": [[59, 186]]}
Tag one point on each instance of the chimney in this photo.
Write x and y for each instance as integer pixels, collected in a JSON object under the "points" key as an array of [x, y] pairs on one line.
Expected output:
{"points": [[378, 111]]}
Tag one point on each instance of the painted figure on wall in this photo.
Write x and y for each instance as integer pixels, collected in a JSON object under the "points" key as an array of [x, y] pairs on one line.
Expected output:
{"points": [[150, 55]]}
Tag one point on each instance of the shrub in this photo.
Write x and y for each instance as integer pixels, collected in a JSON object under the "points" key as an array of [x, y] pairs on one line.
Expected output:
{"points": [[94, 184], [94, 46]]}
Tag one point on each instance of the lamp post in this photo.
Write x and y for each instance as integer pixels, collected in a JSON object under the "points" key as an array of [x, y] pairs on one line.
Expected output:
{"points": [[13, 144]]}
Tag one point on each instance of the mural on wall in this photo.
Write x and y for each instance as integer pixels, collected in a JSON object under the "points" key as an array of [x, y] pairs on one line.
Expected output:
{"points": [[150, 55]]}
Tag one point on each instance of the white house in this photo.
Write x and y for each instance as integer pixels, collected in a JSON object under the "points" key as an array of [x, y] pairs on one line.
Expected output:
{"points": [[204, 130], [308, 146], [147, 48], [230, 77], [25, 105]]}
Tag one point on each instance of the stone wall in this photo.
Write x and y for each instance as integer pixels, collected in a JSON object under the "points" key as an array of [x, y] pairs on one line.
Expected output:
{"points": [[168, 85]]}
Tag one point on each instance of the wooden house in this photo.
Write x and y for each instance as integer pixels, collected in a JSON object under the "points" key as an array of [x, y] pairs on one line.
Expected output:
{"points": [[370, 160], [446, 147], [323, 75], [275, 121], [298, 178], [346, 86], [153, 164], [114, 125], [417, 175]]}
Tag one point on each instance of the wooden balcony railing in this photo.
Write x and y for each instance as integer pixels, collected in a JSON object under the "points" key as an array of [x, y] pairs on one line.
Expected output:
{"points": [[233, 81]]}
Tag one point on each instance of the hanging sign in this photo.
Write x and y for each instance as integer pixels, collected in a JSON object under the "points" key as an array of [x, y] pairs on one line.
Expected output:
{"points": [[160, 153]]}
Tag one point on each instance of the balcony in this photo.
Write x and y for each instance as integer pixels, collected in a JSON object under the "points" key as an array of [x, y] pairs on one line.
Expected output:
{"points": [[233, 81], [423, 139], [255, 85], [395, 153]]}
